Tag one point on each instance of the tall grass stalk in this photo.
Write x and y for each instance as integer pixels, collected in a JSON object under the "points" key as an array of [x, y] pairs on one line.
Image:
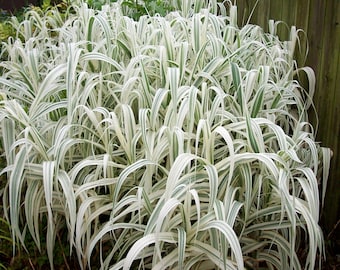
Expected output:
{"points": [[176, 142]]}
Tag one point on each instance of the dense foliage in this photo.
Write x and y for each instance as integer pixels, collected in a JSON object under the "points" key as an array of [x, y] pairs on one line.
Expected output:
{"points": [[178, 141]]}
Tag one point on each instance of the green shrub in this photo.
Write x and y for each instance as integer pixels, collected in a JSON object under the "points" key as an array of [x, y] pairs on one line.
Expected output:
{"points": [[11, 23], [135, 9], [176, 142]]}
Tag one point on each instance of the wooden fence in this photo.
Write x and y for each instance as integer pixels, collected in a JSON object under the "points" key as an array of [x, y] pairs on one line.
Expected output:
{"points": [[320, 21]]}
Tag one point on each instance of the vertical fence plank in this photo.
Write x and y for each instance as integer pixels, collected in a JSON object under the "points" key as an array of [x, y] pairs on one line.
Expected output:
{"points": [[261, 13], [301, 19]]}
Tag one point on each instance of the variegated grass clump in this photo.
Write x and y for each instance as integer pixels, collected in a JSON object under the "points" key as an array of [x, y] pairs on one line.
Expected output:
{"points": [[177, 142]]}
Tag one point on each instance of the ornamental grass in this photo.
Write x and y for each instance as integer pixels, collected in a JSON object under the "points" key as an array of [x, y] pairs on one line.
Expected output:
{"points": [[168, 142]]}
